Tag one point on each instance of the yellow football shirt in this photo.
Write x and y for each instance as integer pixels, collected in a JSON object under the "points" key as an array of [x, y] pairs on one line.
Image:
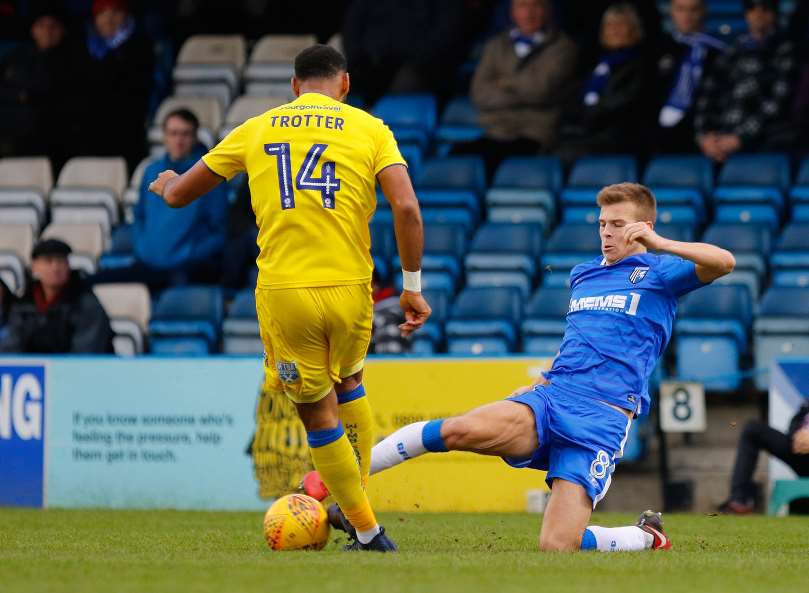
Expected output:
{"points": [[312, 165]]}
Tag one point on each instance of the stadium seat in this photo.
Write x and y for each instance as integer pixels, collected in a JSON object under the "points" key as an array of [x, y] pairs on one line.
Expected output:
{"points": [[87, 241], [444, 248], [25, 183], [412, 118], [677, 214], [131, 194], [17, 238], [486, 313], [413, 155], [796, 278], [12, 271], [544, 324], [270, 67], [383, 247], [211, 58], [121, 253], [504, 254], [793, 248], [207, 109], [452, 183], [781, 328], [799, 194], [89, 190], [191, 315], [590, 174], [240, 328], [756, 214], [570, 245], [524, 189], [680, 181], [753, 179], [459, 123], [749, 244], [712, 334], [245, 107], [676, 231], [129, 307], [478, 346], [438, 281]]}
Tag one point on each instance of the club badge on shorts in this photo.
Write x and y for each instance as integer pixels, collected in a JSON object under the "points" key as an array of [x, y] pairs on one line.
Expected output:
{"points": [[288, 372], [638, 274]]}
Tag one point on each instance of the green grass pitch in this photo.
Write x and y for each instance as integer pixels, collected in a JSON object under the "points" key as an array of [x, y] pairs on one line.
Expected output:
{"points": [[167, 551]]}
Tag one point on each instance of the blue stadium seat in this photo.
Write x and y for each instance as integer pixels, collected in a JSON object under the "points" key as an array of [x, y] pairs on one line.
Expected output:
{"points": [[456, 216], [506, 247], [452, 183], [581, 215], [757, 214], [413, 155], [590, 174], [556, 279], [544, 324], [800, 192], [749, 244], [479, 346], [435, 280], [793, 248], [636, 444], [676, 231], [165, 346], [444, 247], [681, 181], [800, 212], [459, 123], [240, 328], [121, 253], [486, 313], [712, 335], [726, 28], [570, 245], [754, 179], [190, 313], [383, 246], [525, 188], [795, 278], [781, 328], [412, 118], [677, 214]]}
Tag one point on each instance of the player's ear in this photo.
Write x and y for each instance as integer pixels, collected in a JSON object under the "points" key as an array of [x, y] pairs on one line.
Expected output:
{"points": [[296, 87], [346, 86]]}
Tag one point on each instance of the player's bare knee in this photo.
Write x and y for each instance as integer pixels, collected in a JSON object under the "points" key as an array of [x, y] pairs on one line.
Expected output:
{"points": [[559, 542], [349, 383]]}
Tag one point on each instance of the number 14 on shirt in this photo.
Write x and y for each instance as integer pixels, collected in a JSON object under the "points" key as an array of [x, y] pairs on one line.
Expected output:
{"points": [[327, 183]]}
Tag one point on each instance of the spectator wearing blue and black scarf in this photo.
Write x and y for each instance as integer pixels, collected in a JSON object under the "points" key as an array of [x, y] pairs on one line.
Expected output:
{"points": [[685, 59]]}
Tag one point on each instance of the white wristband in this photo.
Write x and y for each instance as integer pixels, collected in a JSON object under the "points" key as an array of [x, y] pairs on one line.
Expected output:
{"points": [[411, 280]]}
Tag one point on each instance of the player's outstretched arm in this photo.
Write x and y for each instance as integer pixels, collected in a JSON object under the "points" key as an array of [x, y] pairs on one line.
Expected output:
{"points": [[712, 262], [180, 190], [398, 190]]}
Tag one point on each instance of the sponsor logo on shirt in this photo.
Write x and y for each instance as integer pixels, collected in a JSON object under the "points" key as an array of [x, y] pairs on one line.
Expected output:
{"points": [[611, 302]]}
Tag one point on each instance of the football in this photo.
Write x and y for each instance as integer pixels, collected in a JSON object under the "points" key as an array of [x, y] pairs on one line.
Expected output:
{"points": [[296, 522]]}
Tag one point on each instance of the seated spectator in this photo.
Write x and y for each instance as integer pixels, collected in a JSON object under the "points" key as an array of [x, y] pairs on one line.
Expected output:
{"points": [[685, 57], [792, 448], [403, 46], [613, 108], [34, 78], [176, 246], [113, 79], [59, 313], [520, 85], [744, 103]]}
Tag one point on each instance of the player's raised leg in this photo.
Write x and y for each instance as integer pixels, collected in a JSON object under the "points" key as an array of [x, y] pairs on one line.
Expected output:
{"points": [[503, 428]]}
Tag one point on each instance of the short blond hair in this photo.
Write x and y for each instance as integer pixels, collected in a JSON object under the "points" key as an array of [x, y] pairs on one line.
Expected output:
{"points": [[639, 195]]}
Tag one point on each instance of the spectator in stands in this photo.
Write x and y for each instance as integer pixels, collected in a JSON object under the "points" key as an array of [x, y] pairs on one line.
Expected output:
{"points": [[113, 78], [792, 448], [33, 82], [744, 103], [403, 46], [685, 57], [614, 107], [386, 337], [176, 246], [520, 85], [59, 313]]}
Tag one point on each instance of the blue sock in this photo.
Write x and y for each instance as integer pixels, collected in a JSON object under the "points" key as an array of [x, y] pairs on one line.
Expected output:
{"points": [[431, 436], [588, 540], [321, 438]]}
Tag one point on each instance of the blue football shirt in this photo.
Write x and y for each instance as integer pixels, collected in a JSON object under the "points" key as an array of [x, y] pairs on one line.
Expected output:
{"points": [[618, 325]]}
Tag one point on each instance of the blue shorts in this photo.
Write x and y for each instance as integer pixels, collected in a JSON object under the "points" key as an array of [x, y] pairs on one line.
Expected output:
{"points": [[579, 438]]}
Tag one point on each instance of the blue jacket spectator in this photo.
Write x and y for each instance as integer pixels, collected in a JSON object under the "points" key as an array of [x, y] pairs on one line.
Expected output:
{"points": [[168, 238], [176, 246]]}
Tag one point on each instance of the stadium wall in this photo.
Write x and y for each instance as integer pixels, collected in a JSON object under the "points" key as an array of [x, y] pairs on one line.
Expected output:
{"points": [[172, 433]]}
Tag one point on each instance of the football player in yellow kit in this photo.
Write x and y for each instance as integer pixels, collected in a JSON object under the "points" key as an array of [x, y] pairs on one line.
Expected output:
{"points": [[312, 165]]}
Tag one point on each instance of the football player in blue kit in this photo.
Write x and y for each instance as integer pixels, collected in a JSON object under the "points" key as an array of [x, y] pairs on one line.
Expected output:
{"points": [[574, 421]]}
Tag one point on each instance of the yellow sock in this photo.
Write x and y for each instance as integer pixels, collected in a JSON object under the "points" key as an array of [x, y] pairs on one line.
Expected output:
{"points": [[358, 421], [334, 459]]}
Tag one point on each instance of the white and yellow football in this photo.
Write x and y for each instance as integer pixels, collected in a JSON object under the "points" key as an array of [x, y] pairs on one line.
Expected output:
{"points": [[296, 522]]}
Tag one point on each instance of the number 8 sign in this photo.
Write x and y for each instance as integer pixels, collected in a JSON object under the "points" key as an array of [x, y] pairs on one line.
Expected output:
{"points": [[682, 407]]}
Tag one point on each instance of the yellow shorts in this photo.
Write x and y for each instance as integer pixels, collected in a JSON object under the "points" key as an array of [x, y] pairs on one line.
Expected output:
{"points": [[313, 337]]}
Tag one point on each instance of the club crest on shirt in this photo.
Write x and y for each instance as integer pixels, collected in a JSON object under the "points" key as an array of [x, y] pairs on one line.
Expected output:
{"points": [[287, 372], [638, 274]]}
